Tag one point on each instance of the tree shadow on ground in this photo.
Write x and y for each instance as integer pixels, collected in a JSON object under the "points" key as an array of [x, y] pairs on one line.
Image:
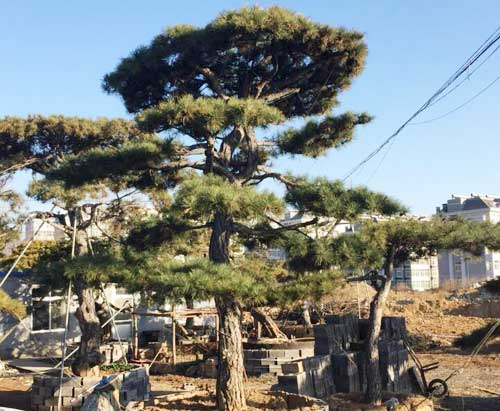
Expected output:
{"points": [[455, 403], [15, 399]]}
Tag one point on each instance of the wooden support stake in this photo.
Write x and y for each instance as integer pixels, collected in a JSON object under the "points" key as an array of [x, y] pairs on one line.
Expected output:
{"points": [[174, 348], [135, 337], [269, 324]]}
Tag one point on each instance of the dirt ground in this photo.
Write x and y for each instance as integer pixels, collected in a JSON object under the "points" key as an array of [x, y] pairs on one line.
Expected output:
{"points": [[465, 388], [437, 316]]}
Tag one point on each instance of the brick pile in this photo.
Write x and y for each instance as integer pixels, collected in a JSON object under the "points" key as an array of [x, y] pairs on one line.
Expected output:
{"points": [[339, 363], [337, 335], [269, 361], [394, 366], [134, 387], [311, 376]]}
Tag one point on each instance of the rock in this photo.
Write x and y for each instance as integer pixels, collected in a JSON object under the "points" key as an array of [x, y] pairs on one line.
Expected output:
{"points": [[101, 401]]}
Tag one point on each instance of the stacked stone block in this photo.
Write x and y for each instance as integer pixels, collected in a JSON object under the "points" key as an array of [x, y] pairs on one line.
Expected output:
{"points": [[341, 341], [269, 361], [309, 376], [394, 365], [337, 335], [134, 387]]}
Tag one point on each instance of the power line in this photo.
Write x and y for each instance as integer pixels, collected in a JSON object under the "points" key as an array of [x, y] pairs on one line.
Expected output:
{"points": [[487, 44], [466, 78], [380, 162], [436, 118], [458, 107]]}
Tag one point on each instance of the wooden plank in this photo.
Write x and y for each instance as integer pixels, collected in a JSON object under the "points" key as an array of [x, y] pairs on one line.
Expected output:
{"points": [[30, 364], [179, 314]]}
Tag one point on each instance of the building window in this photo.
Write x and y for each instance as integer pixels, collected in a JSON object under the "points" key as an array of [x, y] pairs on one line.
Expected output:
{"points": [[49, 310]]}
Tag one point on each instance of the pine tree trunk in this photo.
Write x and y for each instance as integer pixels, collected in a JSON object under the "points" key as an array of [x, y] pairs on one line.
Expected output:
{"points": [[373, 393], [88, 357], [306, 315], [189, 306], [230, 369]]}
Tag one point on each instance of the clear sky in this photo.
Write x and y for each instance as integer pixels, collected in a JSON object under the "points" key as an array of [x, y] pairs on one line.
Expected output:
{"points": [[54, 54]]}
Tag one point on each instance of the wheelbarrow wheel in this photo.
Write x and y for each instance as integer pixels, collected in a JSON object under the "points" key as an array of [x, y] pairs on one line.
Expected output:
{"points": [[438, 388]]}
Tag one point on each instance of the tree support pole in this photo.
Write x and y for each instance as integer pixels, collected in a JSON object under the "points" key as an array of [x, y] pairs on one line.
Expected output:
{"points": [[64, 347]]}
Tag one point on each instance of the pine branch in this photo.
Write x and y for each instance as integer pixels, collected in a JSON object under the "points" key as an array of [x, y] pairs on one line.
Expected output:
{"points": [[213, 82], [266, 233], [368, 277], [22, 165], [271, 98], [257, 179]]}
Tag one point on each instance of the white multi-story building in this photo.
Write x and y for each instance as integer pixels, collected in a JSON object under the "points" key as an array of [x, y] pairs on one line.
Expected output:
{"points": [[35, 228], [419, 275], [462, 268]]}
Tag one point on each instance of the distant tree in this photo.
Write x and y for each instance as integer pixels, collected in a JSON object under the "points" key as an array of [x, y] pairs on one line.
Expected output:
{"points": [[40, 144], [379, 247], [10, 202], [213, 92]]}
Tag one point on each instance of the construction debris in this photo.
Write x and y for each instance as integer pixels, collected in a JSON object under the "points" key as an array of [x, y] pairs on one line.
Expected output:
{"points": [[271, 328], [133, 387]]}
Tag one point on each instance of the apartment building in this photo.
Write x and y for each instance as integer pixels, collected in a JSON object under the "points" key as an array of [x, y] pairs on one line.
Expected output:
{"points": [[419, 275], [463, 268]]}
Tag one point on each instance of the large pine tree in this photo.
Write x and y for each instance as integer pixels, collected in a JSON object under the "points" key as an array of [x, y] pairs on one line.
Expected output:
{"points": [[211, 94], [40, 144]]}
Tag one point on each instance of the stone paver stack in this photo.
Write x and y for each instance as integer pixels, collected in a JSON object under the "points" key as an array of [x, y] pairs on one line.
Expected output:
{"points": [[269, 361], [134, 387], [340, 364], [310, 376]]}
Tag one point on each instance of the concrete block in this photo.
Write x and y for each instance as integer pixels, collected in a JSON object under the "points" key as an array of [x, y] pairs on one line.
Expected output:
{"points": [[50, 402], [292, 367], [37, 400], [65, 391], [276, 353]]}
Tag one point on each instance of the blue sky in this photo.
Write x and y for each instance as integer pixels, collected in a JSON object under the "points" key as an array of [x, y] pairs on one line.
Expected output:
{"points": [[55, 53]]}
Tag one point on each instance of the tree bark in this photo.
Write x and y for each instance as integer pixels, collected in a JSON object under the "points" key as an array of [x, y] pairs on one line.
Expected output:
{"points": [[230, 368], [306, 315], [189, 306], [88, 357], [373, 393]]}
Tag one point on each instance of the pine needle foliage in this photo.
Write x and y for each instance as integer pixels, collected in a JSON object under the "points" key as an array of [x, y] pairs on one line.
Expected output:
{"points": [[325, 198], [11, 306], [279, 53], [212, 95]]}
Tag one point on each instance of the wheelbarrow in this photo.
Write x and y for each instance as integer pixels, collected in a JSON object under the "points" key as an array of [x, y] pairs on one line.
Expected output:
{"points": [[437, 387]]}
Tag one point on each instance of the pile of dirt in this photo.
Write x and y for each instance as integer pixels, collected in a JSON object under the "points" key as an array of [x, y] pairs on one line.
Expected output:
{"points": [[440, 316]]}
